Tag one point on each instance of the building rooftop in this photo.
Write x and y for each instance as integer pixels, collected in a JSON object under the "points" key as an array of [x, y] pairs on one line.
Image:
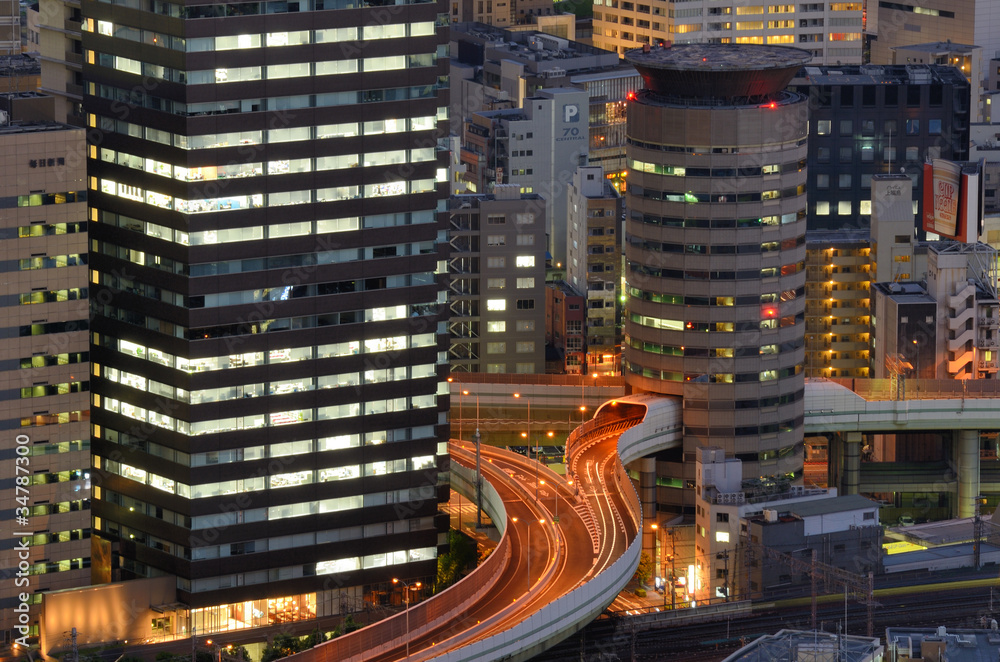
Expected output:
{"points": [[828, 506], [878, 74], [795, 645], [938, 47], [828, 237], [959, 644], [19, 65], [717, 70], [32, 127]]}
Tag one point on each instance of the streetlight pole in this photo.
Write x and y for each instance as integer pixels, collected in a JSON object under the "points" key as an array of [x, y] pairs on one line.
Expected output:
{"points": [[528, 437], [479, 471], [406, 601]]}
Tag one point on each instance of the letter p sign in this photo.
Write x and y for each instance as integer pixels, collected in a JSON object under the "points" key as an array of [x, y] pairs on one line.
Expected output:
{"points": [[571, 113]]}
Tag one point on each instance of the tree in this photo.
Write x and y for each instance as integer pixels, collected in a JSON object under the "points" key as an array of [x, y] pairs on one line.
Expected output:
{"points": [[452, 564], [645, 569], [315, 637], [281, 646]]}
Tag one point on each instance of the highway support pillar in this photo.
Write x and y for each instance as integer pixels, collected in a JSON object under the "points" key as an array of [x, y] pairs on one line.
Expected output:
{"points": [[646, 467], [852, 462], [967, 465]]}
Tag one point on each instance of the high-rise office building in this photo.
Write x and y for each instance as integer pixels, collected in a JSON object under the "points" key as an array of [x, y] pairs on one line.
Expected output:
{"points": [[715, 256], [44, 368], [269, 318]]}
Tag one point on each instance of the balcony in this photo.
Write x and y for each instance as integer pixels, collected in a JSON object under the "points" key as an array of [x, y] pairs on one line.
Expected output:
{"points": [[848, 277]]}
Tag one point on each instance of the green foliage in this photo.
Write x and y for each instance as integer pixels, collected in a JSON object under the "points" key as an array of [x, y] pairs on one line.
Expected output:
{"points": [[645, 569], [281, 646], [315, 637], [581, 8], [238, 653], [346, 626], [462, 553]]}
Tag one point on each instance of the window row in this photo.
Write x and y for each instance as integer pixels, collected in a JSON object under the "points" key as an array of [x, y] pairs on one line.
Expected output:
{"points": [[269, 136], [718, 249], [263, 420], [41, 229], [749, 300], [259, 200], [52, 261], [717, 327], [261, 326], [137, 96], [279, 167], [175, 10], [714, 378], [272, 357], [270, 294], [691, 274], [692, 198], [714, 352], [52, 296], [45, 360], [261, 452], [41, 199], [260, 389], [267, 72], [258, 232], [229, 518], [44, 390], [741, 171], [374, 32], [715, 222], [717, 149]]}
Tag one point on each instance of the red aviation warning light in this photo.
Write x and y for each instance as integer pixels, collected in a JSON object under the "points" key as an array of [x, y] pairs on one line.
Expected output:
{"points": [[631, 96], [768, 312]]}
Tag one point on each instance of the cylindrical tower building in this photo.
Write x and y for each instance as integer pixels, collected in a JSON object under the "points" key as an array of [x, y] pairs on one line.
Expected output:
{"points": [[716, 249]]}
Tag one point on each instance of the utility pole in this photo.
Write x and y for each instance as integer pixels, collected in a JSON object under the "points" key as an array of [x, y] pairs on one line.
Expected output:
{"points": [[977, 536]]}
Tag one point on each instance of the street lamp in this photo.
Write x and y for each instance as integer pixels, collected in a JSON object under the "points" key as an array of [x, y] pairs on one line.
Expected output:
{"points": [[406, 601], [479, 469], [527, 435], [528, 526]]}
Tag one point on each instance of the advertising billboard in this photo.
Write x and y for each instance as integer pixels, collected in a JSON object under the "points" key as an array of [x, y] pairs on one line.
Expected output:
{"points": [[952, 199]]}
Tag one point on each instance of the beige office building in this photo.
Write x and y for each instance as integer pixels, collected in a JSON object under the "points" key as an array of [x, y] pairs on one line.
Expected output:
{"points": [[831, 31], [44, 369]]}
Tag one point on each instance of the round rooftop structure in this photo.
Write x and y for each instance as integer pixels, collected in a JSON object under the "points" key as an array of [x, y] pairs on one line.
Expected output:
{"points": [[717, 70]]}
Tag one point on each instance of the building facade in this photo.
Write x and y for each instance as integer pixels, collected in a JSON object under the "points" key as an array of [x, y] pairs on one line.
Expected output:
{"points": [[715, 258], [509, 65], [536, 148], [61, 49], [497, 268], [871, 120], [270, 314], [45, 367], [594, 263], [831, 31]]}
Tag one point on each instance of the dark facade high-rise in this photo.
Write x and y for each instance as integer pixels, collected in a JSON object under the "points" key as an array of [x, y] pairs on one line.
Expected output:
{"points": [[715, 250], [877, 120], [269, 335]]}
